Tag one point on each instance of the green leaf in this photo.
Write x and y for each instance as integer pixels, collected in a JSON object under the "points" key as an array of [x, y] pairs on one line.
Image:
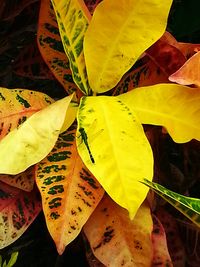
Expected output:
{"points": [[119, 32], [73, 18], [113, 146], [175, 107], [13, 259], [190, 207]]}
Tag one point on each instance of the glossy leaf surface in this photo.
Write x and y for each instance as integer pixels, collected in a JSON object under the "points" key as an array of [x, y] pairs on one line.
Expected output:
{"points": [[69, 192], [35, 138], [118, 241], [190, 207], [175, 107], [118, 34], [18, 209], [73, 18], [113, 146]]}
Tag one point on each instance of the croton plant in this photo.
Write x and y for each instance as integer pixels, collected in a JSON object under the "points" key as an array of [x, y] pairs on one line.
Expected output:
{"points": [[87, 160]]}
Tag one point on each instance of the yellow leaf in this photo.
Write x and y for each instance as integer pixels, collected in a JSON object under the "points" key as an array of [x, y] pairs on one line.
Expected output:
{"points": [[35, 138], [113, 146], [73, 18], [118, 241], [175, 107], [69, 191], [119, 32]]}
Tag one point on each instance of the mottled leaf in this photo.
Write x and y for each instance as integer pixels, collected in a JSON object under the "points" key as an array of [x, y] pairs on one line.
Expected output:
{"points": [[175, 107], [16, 105], [18, 209], [117, 35], [51, 47], [69, 192], [35, 138], [113, 146], [189, 73], [24, 181], [161, 256], [73, 18], [118, 241], [190, 207]]}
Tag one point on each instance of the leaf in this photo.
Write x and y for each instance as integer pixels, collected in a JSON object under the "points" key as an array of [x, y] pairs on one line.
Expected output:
{"points": [[69, 192], [113, 146], [35, 138], [118, 241], [166, 56], [51, 47], [188, 206], [189, 73], [24, 181], [166, 105], [73, 18], [13, 259], [30, 64], [161, 256], [18, 209], [117, 35], [144, 72], [16, 105]]}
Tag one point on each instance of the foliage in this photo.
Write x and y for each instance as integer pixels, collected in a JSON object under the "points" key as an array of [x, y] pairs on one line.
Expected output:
{"points": [[11, 262], [82, 150]]}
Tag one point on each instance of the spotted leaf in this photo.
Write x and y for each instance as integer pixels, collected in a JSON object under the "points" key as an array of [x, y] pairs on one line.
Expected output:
{"points": [[190, 207], [166, 105], [16, 105], [69, 192], [36, 137], [24, 181], [73, 18], [18, 209], [118, 241], [51, 47]]}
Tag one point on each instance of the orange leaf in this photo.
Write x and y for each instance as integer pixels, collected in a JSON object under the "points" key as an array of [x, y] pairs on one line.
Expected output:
{"points": [[24, 181], [145, 72], [69, 192], [16, 105], [18, 209], [166, 56], [118, 241], [189, 73], [51, 47], [161, 255]]}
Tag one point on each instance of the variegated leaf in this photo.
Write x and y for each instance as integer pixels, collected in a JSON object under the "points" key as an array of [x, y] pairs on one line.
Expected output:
{"points": [[73, 18], [51, 47], [190, 207], [18, 209], [24, 181], [16, 105], [118, 241], [69, 192]]}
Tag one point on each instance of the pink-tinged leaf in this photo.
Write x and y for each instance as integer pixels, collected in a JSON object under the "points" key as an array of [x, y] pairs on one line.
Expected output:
{"points": [[189, 73], [70, 193], [174, 242], [161, 255], [166, 56], [30, 64], [145, 72], [24, 181], [118, 241], [18, 209], [16, 105]]}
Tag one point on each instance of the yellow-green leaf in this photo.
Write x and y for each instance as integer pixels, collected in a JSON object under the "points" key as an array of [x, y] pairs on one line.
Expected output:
{"points": [[113, 146], [175, 107], [119, 32], [73, 18], [35, 138], [69, 191], [118, 241]]}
